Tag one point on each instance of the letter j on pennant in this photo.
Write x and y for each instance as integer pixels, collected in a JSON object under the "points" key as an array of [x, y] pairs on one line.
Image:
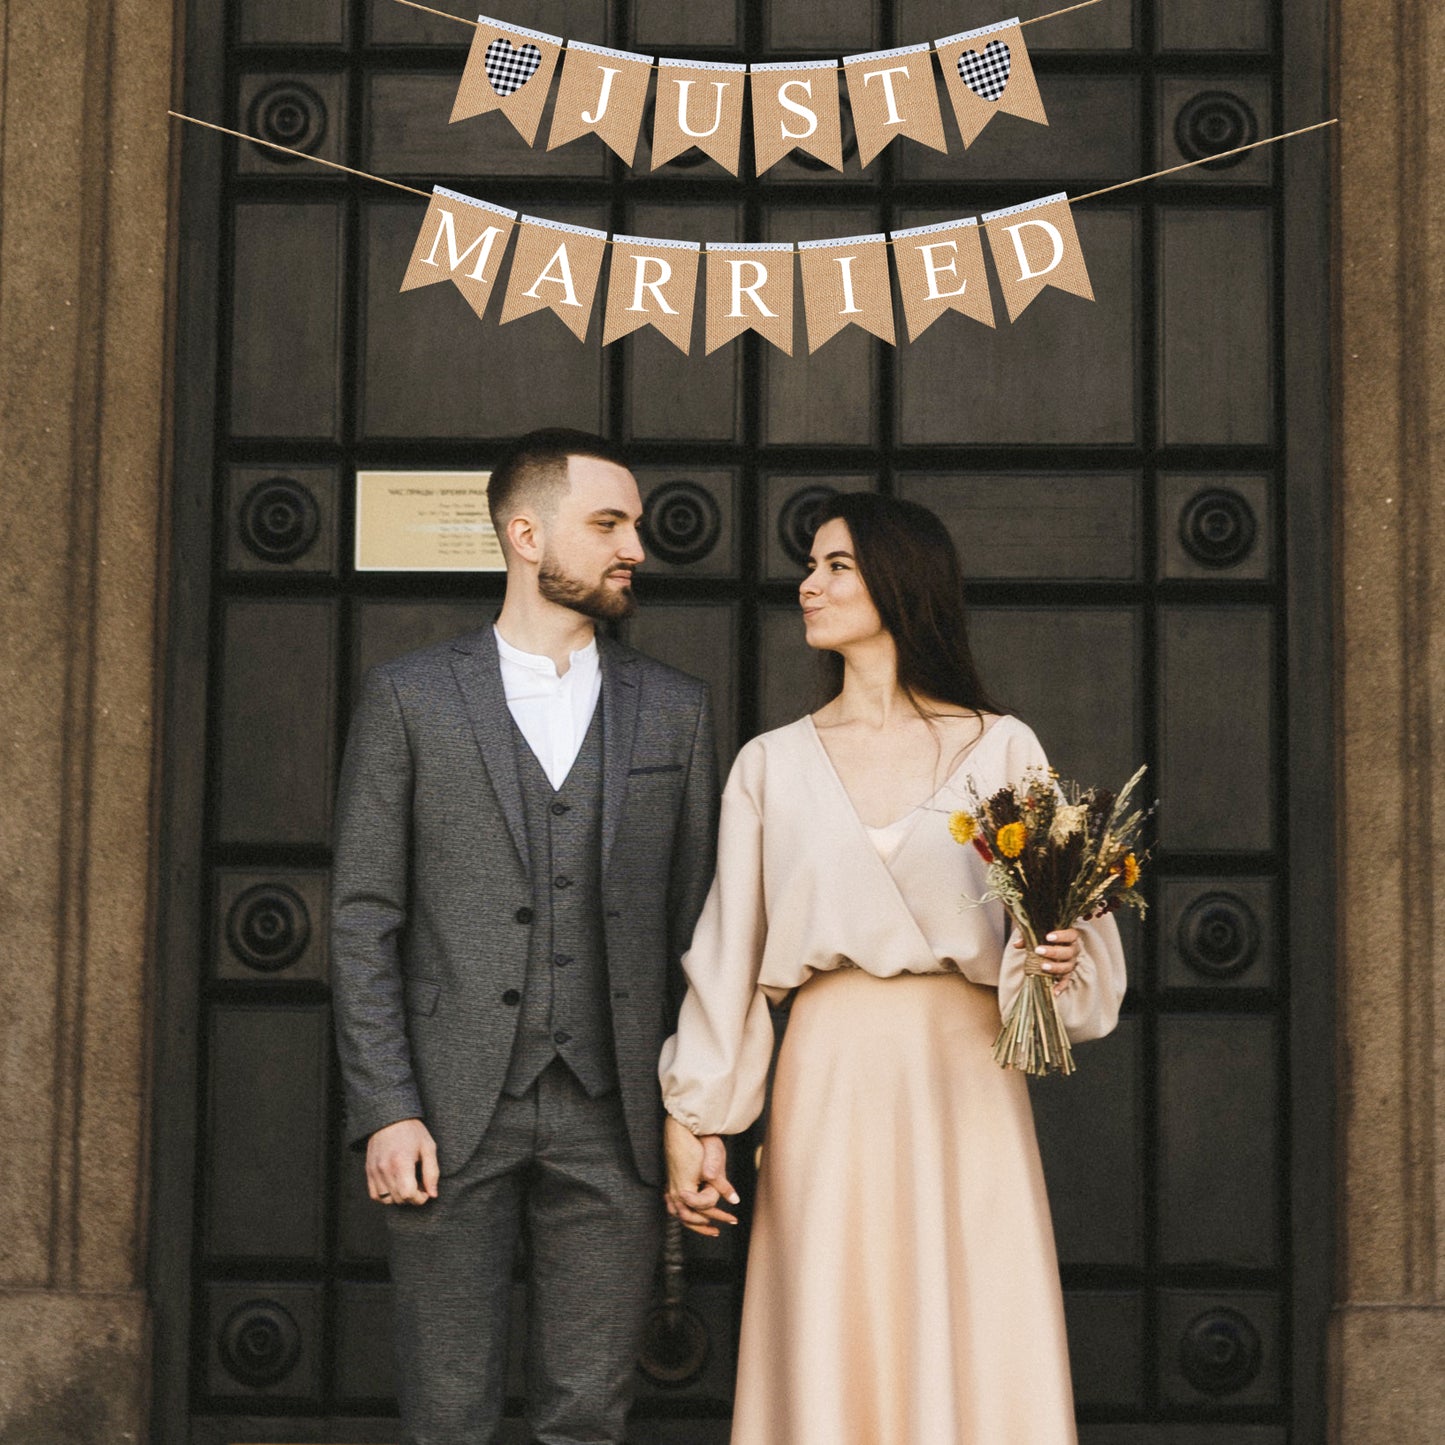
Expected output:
{"points": [[461, 241]]}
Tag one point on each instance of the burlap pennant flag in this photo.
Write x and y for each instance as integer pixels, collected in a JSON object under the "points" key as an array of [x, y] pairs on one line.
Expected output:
{"points": [[699, 103], [750, 288], [509, 69], [603, 92], [940, 268], [461, 240], [651, 283], [988, 71], [845, 281], [1035, 245], [892, 93], [555, 267], [795, 104]]}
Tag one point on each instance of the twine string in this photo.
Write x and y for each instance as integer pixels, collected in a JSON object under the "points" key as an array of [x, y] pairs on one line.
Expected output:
{"points": [[462, 19]]}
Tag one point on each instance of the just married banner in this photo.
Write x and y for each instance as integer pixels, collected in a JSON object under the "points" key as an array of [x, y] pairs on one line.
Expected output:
{"points": [[651, 281], [701, 103]]}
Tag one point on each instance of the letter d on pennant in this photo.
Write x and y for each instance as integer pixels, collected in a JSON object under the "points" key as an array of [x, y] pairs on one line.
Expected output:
{"points": [[462, 241], [1035, 246]]}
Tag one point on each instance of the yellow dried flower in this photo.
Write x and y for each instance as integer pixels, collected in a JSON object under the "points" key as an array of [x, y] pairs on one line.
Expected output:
{"points": [[1011, 839], [963, 827], [1131, 870]]}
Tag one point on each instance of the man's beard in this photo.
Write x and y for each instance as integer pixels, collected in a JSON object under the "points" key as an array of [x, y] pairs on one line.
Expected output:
{"points": [[599, 601]]}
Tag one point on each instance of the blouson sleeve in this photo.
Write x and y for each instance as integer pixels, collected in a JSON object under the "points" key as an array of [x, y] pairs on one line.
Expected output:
{"points": [[1089, 1000], [714, 1068]]}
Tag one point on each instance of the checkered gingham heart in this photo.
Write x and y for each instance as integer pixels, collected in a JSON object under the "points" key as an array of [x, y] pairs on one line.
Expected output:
{"points": [[985, 75], [510, 67]]}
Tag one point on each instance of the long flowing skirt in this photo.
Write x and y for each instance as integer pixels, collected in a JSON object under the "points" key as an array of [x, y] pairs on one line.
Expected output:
{"points": [[902, 1284]]}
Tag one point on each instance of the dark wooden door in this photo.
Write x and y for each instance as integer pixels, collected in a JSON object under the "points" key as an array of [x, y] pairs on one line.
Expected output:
{"points": [[1138, 490]]}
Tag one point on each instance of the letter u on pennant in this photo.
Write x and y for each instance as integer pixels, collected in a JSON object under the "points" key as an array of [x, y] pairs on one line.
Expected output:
{"points": [[461, 240], [1035, 246], [699, 103]]}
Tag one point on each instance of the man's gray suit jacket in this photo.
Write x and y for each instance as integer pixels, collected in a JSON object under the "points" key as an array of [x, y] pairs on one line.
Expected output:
{"points": [[432, 886]]}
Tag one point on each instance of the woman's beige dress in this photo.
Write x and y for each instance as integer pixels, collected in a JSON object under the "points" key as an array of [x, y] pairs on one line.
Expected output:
{"points": [[902, 1286]]}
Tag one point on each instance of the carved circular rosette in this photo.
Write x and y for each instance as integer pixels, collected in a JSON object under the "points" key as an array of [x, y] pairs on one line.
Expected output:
{"points": [[288, 113], [1218, 935], [279, 520], [268, 927], [1220, 1352], [1214, 121], [259, 1343], [681, 523], [1217, 527], [799, 520]]}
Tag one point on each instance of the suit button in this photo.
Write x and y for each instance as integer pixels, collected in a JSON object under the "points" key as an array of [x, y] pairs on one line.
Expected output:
{"points": [[562, 960], [511, 996], [560, 808], [561, 1037], [524, 915], [561, 881]]}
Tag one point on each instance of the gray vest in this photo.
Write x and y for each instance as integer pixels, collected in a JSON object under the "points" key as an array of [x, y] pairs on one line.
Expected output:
{"points": [[566, 1012]]}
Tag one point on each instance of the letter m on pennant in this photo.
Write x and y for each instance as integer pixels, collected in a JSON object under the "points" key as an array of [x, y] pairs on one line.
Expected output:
{"points": [[461, 240]]}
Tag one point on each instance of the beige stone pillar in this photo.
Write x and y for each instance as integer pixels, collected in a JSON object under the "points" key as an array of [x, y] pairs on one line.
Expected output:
{"points": [[1388, 1340], [84, 193]]}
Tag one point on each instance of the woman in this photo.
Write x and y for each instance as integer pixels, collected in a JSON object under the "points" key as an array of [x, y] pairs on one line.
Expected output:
{"points": [[902, 1287]]}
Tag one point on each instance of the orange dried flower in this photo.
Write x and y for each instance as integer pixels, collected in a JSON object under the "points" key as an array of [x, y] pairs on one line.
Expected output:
{"points": [[1131, 870]]}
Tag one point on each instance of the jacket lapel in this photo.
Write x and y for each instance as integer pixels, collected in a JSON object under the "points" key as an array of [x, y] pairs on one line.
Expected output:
{"points": [[619, 725], [479, 675]]}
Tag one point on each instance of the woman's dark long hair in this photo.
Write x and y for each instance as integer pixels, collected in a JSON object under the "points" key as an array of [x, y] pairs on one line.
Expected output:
{"points": [[910, 567]]}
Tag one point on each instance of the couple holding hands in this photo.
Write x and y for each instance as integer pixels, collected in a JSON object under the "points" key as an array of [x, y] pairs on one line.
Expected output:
{"points": [[528, 841]]}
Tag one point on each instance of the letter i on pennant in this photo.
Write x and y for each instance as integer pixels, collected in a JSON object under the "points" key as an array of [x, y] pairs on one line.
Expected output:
{"points": [[603, 92], [651, 283], [845, 282], [462, 241], [750, 288], [940, 268], [1035, 245], [509, 69], [699, 103], [988, 71], [555, 267], [795, 104]]}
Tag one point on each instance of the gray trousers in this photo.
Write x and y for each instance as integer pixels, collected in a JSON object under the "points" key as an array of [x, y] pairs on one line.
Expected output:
{"points": [[561, 1164]]}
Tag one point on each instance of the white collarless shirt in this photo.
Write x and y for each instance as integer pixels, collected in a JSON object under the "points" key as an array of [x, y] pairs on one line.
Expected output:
{"points": [[552, 712]]}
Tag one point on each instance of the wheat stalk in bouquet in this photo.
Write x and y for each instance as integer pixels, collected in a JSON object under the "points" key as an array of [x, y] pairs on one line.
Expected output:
{"points": [[1056, 853]]}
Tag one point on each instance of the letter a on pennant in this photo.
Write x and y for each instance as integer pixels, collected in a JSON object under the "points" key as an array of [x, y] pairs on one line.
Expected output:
{"points": [[603, 92], [795, 104], [699, 103], [845, 282], [750, 288], [509, 69], [651, 283], [988, 71], [940, 268], [1035, 246], [555, 267], [892, 94], [462, 241]]}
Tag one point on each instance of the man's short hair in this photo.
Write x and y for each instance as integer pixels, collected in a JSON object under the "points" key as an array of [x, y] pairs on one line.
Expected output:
{"points": [[532, 471]]}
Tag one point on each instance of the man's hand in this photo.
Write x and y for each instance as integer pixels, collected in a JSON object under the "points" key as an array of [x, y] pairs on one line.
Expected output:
{"points": [[697, 1178], [392, 1157]]}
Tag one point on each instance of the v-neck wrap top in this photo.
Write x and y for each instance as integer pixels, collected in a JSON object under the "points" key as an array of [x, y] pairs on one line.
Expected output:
{"points": [[802, 888]]}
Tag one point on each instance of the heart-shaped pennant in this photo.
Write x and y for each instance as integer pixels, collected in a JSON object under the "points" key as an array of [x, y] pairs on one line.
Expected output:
{"points": [[985, 75], [510, 67]]}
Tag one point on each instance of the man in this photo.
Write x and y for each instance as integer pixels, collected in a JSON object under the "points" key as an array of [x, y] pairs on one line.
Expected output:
{"points": [[525, 835]]}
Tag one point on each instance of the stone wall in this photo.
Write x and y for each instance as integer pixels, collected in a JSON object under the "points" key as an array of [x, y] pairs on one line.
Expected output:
{"points": [[1388, 1345], [84, 194]]}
